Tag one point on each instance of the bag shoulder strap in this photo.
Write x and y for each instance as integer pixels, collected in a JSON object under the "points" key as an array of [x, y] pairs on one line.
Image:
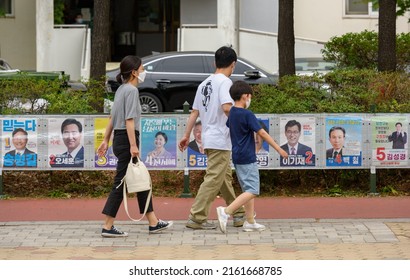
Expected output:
{"points": [[124, 187]]}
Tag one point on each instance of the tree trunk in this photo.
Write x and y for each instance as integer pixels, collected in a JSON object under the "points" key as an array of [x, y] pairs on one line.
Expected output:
{"points": [[387, 35], [286, 38], [99, 47], [100, 39]]}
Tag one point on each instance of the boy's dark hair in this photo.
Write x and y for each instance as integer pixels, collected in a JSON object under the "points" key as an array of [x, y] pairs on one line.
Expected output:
{"points": [[238, 89], [224, 57], [71, 121]]}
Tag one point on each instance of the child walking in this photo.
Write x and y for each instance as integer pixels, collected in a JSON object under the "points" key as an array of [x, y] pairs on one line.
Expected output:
{"points": [[242, 125]]}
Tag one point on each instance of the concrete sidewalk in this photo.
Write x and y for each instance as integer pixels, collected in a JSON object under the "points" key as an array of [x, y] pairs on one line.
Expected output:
{"points": [[352, 239], [297, 228]]}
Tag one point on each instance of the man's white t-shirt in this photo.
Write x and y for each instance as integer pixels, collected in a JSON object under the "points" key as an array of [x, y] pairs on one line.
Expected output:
{"points": [[210, 96]]}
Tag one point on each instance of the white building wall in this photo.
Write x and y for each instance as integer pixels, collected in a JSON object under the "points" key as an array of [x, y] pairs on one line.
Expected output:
{"points": [[44, 30], [65, 51], [18, 36], [64, 48], [228, 14], [316, 21], [260, 49], [323, 19]]}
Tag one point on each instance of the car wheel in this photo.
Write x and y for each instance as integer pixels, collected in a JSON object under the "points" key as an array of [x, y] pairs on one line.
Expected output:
{"points": [[150, 103]]}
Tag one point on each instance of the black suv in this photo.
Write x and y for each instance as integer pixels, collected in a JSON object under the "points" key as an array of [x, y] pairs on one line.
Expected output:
{"points": [[173, 77]]}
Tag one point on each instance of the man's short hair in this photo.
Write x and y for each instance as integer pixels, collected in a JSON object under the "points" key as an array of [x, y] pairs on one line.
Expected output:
{"points": [[337, 128], [198, 123], [293, 123], [18, 130], [224, 57], [71, 121]]}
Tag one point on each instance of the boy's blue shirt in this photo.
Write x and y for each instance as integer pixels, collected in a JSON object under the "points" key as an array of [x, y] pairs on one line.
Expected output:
{"points": [[242, 125]]}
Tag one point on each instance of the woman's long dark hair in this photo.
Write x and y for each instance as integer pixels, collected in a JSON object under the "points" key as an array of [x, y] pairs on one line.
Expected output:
{"points": [[128, 63]]}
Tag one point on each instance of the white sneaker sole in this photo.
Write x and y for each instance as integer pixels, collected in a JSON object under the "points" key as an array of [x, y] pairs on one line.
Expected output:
{"points": [[222, 225], [170, 223], [110, 235], [254, 229]]}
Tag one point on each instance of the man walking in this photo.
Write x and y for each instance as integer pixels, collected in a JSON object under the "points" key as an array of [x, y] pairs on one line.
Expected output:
{"points": [[212, 104]]}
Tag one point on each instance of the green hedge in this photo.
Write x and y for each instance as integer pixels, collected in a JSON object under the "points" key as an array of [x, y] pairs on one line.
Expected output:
{"points": [[353, 91], [340, 91]]}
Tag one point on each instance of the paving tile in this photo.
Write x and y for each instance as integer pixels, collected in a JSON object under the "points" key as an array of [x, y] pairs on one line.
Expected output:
{"points": [[290, 239]]}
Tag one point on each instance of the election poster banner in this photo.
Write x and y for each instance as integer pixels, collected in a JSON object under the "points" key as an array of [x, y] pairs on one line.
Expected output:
{"points": [[158, 142], [19, 142], [65, 142], [195, 151], [297, 138], [344, 141], [389, 140], [262, 148], [109, 159]]}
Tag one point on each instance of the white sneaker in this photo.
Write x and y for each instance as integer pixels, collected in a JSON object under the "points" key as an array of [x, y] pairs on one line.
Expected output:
{"points": [[252, 227], [222, 218]]}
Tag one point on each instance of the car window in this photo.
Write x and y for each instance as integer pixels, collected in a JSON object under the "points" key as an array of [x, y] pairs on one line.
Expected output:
{"points": [[152, 66], [241, 67], [313, 65], [181, 64]]}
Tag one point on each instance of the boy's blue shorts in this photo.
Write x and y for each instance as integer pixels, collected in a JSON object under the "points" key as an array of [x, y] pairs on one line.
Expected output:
{"points": [[248, 177]]}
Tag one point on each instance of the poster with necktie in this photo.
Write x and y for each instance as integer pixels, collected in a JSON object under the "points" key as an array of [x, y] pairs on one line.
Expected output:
{"points": [[344, 141], [65, 142], [389, 140], [297, 138], [19, 142]]}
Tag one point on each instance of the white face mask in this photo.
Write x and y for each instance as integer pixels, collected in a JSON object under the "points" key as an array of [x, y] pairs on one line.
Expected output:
{"points": [[248, 103], [141, 76]]}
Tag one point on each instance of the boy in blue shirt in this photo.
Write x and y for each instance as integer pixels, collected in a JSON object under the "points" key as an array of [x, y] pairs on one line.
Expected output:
{"points": [[242, 125]]}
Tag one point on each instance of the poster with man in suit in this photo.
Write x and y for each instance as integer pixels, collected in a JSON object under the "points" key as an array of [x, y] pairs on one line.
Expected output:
{"points": [[389, 140], [19, 143], [344, 145], [65, 142], [298, 140]]}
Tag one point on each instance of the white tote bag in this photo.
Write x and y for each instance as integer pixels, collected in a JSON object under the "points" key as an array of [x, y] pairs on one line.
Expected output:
{"points": [[137, 179]]}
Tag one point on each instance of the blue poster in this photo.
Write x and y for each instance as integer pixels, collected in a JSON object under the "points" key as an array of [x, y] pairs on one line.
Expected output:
{"points": [[262, 148], [344, 141], [195, 150], [158, 142], [19, 142]]}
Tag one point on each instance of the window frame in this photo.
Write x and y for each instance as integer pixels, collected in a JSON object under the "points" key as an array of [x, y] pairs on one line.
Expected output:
{"points": [[370, 12], [11, 14]]}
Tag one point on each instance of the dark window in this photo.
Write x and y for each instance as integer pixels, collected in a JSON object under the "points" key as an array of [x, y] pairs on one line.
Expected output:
{"points": [[152, 66], [181, 64], [6, 8], [241, 67]]}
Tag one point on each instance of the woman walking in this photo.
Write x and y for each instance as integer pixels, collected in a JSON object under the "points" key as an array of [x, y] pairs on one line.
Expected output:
{"points": [[124, 122]]}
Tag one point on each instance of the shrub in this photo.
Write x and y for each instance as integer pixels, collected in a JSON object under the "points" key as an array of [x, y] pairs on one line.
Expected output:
{"points": [[360, 50]]}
